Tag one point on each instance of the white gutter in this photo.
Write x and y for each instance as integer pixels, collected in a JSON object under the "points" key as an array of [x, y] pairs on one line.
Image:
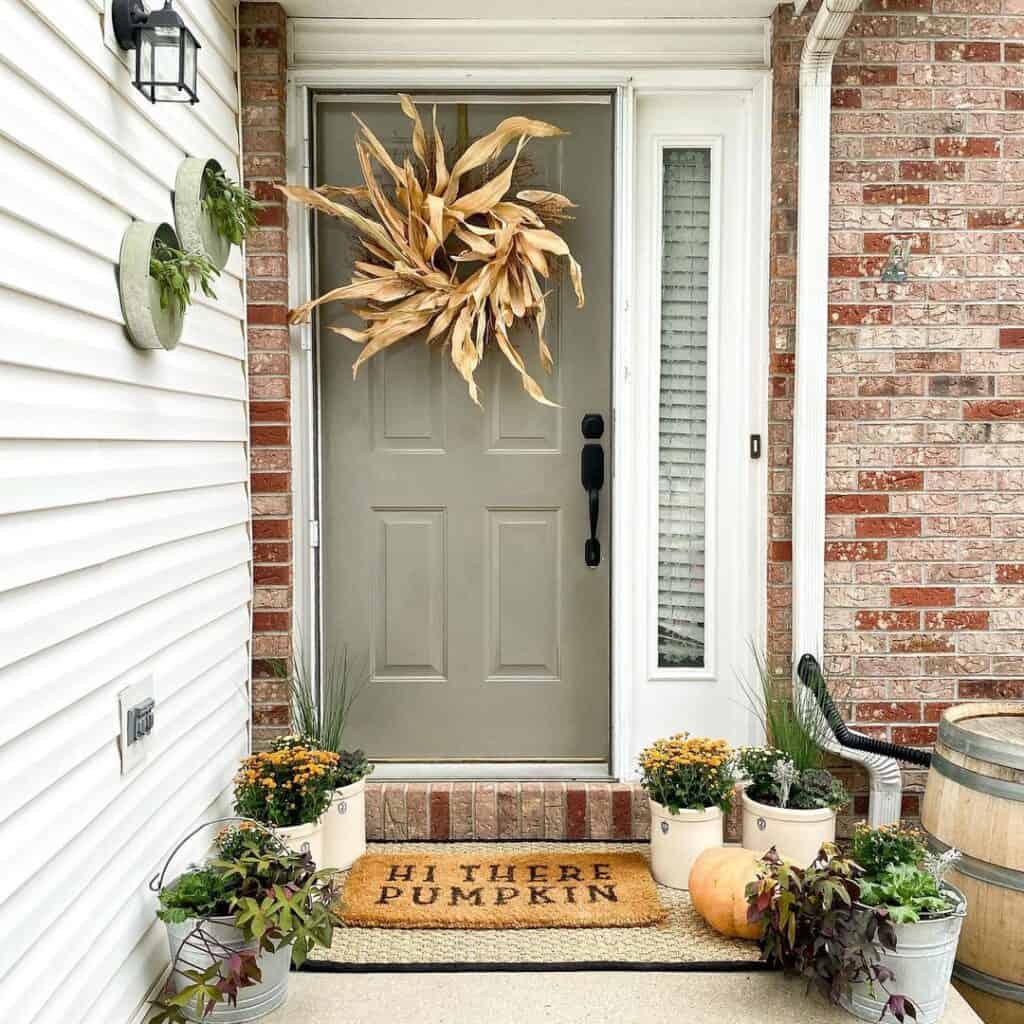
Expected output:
{"points": [[809, 411]]}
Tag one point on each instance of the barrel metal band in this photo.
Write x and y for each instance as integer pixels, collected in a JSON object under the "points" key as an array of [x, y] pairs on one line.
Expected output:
{"points": [[987, 983], [982, 748], [979, 783], [980, 870]]}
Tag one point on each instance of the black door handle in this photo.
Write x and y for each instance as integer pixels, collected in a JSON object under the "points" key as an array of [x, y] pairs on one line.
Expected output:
{"points": [[592, 475]]}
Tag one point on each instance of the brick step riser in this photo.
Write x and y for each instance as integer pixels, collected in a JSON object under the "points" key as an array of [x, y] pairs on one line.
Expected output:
{"points": [[447, 811]]}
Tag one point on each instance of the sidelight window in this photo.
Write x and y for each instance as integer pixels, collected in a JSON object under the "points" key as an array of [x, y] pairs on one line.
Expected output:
{"points": [[683, 405]]}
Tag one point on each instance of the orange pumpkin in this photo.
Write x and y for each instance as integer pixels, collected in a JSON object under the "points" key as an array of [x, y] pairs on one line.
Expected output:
{"points": [[718, 882]]}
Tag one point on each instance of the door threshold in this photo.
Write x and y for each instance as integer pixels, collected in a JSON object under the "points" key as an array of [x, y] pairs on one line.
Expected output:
{"points": [[485, 771]]}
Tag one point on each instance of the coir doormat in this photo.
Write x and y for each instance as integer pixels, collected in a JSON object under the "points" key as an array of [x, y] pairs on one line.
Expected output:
{"points": [[682, 942], [404, 890]]}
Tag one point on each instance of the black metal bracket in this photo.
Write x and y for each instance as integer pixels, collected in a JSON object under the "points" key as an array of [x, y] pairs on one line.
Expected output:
{"points": [[127, 16]]}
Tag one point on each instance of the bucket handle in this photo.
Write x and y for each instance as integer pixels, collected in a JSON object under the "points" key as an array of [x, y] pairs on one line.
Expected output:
{"points": [[156, 883]]}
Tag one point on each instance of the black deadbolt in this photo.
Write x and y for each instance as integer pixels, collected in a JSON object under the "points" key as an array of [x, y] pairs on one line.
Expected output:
{"points": [[592, 426]]}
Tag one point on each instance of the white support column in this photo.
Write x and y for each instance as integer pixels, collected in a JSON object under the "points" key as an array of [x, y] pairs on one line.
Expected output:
{"points": [[809, 407]]}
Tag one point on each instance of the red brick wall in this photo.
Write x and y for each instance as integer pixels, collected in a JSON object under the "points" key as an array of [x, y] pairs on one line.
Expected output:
{"points": [[925, 534], [925, 527], [263, 67]]}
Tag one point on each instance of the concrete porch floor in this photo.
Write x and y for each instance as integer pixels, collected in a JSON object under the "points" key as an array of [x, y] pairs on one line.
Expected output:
{"points": [[582, 997]]}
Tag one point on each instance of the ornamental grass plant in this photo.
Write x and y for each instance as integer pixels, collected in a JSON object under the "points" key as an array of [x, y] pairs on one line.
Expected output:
{"points": [[790, 771], [321, 701], [689, 773], [790, 726]]}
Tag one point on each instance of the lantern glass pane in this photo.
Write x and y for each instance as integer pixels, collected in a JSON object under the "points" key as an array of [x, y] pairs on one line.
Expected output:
{"points": [[189, 63], [145, 64], [166, 58]]}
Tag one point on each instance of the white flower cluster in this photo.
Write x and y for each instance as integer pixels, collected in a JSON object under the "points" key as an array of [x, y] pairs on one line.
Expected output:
{"points": [[937, 864], [785, 774]]}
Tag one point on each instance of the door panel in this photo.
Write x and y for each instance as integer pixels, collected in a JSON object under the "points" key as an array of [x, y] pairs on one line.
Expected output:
{"points": [[523, 558], [407, 394], [452, 536], [409, 622]]}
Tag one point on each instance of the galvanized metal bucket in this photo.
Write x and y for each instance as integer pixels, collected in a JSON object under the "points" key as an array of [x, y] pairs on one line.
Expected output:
{"points": [[922, 963], [254, 1001]]}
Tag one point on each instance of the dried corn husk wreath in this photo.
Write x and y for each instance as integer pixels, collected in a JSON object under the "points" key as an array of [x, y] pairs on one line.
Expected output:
{"points": [[464, 266]]}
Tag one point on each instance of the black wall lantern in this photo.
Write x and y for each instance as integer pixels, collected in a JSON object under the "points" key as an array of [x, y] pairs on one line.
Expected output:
{"points": [[166, 53]]}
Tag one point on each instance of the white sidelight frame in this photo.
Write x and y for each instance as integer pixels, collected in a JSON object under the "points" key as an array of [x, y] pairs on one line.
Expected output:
{"points": [[708, 700], [399, 69]]}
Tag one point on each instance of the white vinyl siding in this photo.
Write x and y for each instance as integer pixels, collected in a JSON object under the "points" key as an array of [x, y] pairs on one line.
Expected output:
{"points": [[125, 546], [685, 253]]}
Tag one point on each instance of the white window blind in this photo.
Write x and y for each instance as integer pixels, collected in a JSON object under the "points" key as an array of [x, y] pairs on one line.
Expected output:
{"points": [[686, 212]]}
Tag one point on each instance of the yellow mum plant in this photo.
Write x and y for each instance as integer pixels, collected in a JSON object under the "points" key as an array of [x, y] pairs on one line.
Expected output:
{"points": [[689, 773], [285, 787]]}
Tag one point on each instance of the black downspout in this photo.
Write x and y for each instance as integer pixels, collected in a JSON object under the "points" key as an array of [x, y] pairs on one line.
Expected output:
{"points": [[809, 673]]}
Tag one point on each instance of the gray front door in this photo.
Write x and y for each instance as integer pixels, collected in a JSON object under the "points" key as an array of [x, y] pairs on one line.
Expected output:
{"points": [[452, 536]]}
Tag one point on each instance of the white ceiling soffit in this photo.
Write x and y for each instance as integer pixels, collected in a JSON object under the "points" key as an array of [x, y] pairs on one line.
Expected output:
{"points": [[528, 9], [324, 43]]}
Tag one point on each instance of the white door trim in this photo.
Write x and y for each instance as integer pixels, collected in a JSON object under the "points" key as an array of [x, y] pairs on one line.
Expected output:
{"points": [[630, 400]]}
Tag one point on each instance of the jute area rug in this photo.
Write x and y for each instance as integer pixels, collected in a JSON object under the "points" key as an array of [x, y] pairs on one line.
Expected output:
{"points": [[680, 941]]}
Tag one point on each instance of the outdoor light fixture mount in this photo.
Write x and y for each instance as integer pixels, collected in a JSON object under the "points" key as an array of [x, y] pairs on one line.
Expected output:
{"points": [[166, 52], [128, 15]]}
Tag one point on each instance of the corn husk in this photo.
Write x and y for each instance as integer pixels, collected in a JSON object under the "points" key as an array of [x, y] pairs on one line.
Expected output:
{"points": [[460, 263]]}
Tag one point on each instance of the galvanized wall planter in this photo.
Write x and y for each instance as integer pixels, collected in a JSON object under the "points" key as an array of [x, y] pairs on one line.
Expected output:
{"points": [[149, 326], [195, 226]]}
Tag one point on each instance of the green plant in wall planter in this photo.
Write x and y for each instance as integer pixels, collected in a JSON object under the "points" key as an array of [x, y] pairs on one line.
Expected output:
{"points": [[211, 211], [178, 272], [156, 279]]}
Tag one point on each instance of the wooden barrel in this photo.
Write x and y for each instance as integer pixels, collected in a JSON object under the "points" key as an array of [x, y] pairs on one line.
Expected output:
{"points": [[974, 801]]}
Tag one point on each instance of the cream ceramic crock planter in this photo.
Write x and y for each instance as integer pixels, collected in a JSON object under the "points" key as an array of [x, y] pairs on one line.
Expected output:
{"points": [[677, 840], [922, 965], [345, 826], [305, 837], [797, 835]]}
